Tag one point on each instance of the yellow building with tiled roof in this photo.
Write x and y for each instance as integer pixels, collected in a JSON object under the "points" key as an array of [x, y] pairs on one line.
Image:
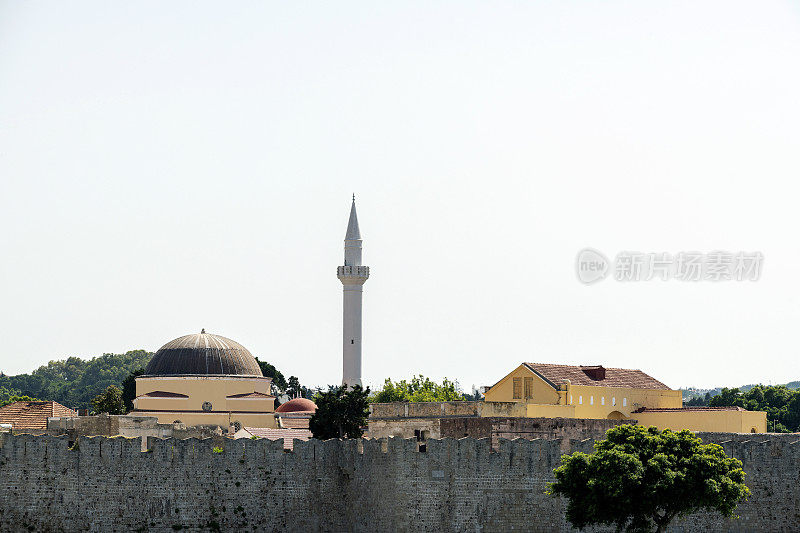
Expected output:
{"points": [[567, 391]]}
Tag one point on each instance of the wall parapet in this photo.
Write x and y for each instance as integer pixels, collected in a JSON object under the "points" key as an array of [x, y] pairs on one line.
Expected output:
{"points": [[395, 410], [104, 483]]}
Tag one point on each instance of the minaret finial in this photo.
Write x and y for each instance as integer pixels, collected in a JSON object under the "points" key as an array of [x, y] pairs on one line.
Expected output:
{"points": [[354, 197]]}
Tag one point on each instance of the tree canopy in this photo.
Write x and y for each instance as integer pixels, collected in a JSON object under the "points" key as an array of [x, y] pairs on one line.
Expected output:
{"points": [[7, 399], [639, 479], [129, 388], [341, 413], [419, 389], [293, 388], [781, 403], [109, 401], [270, 371], [73, 382]]}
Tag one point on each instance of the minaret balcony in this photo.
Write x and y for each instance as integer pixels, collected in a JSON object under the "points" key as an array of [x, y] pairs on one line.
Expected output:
{"points": [[352, 274]]}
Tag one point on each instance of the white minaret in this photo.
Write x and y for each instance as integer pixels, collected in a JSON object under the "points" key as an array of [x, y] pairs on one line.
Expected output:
{"points": [[352, 275]]}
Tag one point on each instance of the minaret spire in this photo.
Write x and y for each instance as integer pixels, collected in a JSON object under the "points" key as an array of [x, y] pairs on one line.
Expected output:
{"points": [[353, 276], [353, 232]]}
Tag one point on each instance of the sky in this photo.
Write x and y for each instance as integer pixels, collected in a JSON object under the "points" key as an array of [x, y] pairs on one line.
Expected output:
{"points": [[167, 167]]}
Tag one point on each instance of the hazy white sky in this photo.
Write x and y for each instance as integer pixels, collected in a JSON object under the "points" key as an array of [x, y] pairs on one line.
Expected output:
{"points": [[172, 166]]}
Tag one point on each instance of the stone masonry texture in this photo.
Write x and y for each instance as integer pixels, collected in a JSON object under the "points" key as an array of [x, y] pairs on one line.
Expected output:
{"points": [[498, 428], [109, 484]]}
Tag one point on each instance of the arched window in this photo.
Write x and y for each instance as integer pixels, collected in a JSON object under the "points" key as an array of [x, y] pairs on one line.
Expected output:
{"points": [[613, 400], [624, 402], [591, 400], [602, 400], [580, 400]]}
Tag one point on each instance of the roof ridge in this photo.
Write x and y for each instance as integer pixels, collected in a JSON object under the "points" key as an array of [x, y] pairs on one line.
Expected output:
{"points": [[634, 378], [583, 366]]}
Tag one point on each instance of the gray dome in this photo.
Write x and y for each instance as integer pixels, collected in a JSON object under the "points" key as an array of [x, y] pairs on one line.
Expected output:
{"points": [[203, 354]]}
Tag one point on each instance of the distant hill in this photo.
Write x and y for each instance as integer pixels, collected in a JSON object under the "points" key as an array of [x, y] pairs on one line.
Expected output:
{"points": [[73, 382], [692, 392]]}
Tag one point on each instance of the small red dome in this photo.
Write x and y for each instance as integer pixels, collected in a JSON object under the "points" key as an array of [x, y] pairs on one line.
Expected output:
{"points": [[297, 405]]}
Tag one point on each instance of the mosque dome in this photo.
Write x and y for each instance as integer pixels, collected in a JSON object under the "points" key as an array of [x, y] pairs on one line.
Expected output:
{"points": [[298, 405], [203, 354]]}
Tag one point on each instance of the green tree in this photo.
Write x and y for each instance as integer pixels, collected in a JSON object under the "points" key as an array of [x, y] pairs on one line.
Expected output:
{"points": [[73, 381], [419, 389], [6, 394], [728, 397], [129, 388], [639, 479], [781, 404], [15, 398], [109, 401], [270, 371], [699, 400], [294, 389], [341, 413]]}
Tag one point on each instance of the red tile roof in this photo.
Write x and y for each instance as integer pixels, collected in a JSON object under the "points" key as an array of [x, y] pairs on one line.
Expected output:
{"points": [[295, 422], [32, 415], [297, 405], [588, 375], [276, 433]]}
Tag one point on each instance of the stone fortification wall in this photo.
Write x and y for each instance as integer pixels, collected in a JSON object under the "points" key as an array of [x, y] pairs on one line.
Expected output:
{"points": [[126, 426], [108, 484], [445, 409], [437, 420], [498, 428]]}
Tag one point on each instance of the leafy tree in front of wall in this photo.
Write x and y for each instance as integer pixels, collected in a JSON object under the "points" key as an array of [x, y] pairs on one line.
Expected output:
{"points": [[109, 401], [639, 479], [270, 371], [419, 389], [341, 413]]}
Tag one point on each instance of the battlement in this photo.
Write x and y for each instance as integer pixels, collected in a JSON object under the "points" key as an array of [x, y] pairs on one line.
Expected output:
{"points": [[102, 483], [744, 446], [352, 274]]}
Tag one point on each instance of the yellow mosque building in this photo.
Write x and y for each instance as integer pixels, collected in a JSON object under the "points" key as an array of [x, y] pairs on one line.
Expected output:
{"points": [[565, 391], [205, 379]]}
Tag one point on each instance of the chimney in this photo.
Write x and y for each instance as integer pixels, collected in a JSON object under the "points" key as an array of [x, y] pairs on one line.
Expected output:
{"points": [[595, 373]]}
